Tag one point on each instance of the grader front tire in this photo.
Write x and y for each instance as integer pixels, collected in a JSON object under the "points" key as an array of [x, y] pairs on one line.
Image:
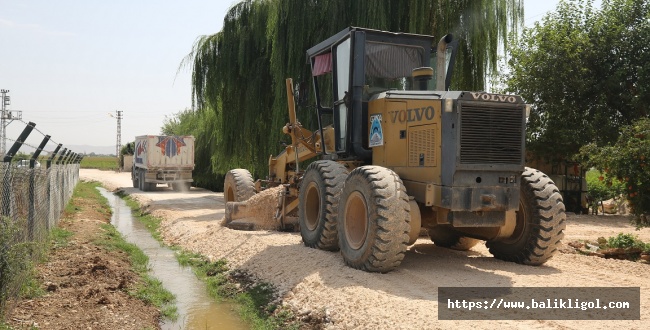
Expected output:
{"points": [[318, 204], [373, 219], [238, 185], [540, 222]]}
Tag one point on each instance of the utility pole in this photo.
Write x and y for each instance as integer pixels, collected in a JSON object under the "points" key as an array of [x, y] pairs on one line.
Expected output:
{"points": [[6, 117], [119, 133], [118, 143]]}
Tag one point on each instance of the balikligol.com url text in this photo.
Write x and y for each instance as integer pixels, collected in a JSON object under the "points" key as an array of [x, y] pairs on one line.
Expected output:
{"points": [[537, 304]]}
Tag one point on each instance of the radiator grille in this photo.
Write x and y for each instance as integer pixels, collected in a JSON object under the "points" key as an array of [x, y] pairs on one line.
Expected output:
{"points": [[491, 134], [422, 142]]}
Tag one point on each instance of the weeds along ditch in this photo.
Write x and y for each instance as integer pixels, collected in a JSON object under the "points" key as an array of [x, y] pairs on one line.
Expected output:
{"points": [[256, 302]]}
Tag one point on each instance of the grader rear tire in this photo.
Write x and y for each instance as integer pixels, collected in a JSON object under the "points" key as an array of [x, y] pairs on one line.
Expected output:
{"points": [[373, 219], [318, 203], [540, 222], [446, 237], [238, 185]]}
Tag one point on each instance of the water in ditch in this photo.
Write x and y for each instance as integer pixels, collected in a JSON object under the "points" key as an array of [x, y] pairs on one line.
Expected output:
{"points": [[196, 309]]}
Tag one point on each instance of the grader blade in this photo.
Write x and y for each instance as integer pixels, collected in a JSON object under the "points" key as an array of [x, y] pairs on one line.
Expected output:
{"points": [[239, 216], [247, 216]]}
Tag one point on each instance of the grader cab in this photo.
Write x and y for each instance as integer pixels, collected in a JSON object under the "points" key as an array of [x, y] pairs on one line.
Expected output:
{"points": [[399, 152]]}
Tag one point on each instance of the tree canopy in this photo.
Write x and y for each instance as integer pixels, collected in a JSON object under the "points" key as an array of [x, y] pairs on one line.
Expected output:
{"points": [[586, 72], [238, 73]]}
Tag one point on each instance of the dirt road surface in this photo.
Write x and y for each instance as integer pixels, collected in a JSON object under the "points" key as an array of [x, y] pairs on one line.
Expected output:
{"points": [[314, 281]]}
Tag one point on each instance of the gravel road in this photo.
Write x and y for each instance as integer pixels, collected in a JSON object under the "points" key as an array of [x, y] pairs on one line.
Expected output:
{"points": [[314, 281]]}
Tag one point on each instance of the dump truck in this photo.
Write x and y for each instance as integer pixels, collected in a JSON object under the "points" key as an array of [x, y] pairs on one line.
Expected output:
{"points": [[398, 153], [163, 159]]}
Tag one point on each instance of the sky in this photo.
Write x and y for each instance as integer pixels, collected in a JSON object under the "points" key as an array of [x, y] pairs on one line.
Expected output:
{"points": [[70, 65]]}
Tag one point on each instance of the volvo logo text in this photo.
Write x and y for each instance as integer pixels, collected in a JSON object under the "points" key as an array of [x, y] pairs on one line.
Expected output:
{"points": [[412, 114], [493, 97]]}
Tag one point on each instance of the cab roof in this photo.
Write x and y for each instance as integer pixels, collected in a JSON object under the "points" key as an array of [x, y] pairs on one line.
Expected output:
{"points": [[375, 35]]}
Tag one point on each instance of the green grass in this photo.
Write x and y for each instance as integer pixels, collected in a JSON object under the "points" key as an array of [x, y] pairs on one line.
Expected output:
{"points": [[254, 300], [18, 265], [87, 190], [17, 261], [99, 162], [59, 237], [150, 289], [32, 286]]}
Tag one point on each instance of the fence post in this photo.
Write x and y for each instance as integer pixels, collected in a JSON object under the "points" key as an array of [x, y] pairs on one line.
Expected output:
{"points": [[64, 188], [19, 142], [31, 223], [58, 160], [6, 184], [56, 150], [48, 165]]}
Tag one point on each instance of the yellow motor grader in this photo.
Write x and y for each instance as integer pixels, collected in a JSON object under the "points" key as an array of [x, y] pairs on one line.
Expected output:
{"points": [[399, 152]]}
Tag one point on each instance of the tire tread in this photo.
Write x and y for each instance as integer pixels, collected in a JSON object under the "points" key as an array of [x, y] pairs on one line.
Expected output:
{"points": [[547, 226], [392, 210]]}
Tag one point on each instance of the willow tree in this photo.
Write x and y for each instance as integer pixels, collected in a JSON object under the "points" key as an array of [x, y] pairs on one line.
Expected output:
{"points": [[239, 72]]}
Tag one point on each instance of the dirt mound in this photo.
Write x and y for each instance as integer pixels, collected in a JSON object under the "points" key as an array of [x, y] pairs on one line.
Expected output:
{"points": [[265, 205]]}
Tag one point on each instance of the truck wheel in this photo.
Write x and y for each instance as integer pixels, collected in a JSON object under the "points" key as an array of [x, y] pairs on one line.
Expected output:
{"points": [[540, 222], [373, 221], [143, 185], [318, 203], [446, 237], [134, 178], [238, 185]]}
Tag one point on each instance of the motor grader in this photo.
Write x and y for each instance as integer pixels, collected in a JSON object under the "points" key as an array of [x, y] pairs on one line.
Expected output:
{"points": [[398, 152]]}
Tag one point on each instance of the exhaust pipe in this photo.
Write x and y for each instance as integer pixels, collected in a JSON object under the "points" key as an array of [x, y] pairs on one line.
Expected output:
{"points": [[441, 62]]}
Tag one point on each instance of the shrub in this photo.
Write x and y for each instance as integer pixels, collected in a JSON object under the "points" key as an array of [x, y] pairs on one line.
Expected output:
{"points": [[625, 241], [600, 189], [627, 161]]}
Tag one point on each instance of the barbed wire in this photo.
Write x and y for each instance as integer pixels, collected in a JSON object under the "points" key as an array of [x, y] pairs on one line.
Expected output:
{"points": [[36, 129], [29, 145], [48, 152]]}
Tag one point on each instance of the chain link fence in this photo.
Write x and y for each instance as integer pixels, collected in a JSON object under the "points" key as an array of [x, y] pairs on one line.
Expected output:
{"points": [[32, 200]]}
